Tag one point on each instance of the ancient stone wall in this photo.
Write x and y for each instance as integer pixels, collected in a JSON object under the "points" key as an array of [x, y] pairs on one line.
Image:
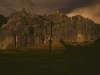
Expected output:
{"points": [[25, 29]]}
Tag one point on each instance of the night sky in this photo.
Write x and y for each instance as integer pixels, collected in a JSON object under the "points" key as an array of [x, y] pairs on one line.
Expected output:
{"points": [[86, 8]]}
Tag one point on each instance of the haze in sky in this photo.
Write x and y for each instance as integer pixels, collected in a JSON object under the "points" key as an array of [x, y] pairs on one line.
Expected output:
{"points": [[86, 8]]}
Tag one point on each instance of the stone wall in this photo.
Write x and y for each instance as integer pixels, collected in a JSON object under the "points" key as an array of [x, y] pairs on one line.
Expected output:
{"points": [[25, 29]]}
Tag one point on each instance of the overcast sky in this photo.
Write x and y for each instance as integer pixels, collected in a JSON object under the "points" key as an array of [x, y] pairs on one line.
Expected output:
{"points": [[87, 8]]}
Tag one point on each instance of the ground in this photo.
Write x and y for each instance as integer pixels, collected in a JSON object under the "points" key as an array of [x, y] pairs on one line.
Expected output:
{"points": [[63, 60]]}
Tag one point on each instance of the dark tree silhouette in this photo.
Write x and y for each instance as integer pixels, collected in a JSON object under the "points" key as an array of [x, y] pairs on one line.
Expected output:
{"points": [[3, 20]]}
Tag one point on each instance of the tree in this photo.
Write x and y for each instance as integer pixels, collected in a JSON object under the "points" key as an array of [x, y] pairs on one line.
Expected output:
{"points": [[3, 20]]}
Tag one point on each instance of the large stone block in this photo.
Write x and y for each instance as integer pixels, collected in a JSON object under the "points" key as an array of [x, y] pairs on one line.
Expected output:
{"points": [[19, 28], [7, 39], [71, 36]]}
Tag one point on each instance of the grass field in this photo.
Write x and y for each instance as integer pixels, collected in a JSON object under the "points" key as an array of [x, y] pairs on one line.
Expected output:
{"points": [[63, 60]]}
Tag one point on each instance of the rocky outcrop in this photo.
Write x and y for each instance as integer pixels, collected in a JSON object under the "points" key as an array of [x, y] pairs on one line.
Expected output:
{"points": [[6, 39], [25, 29]]}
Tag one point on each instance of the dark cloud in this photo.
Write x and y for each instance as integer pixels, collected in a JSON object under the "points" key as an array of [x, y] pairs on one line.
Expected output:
{"points": [[73, 4], [91, 12], [45, 6]]}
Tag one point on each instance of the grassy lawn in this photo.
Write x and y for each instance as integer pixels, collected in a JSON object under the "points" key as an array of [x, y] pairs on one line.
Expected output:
{"points": [[63, 60], [55, 46]]}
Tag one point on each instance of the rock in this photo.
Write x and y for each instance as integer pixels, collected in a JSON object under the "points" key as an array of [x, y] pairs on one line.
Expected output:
{"points": [[30, 40], [19, 28], [7, 39], [23, 41], [71, 36], [26, 29], [79, 25]]}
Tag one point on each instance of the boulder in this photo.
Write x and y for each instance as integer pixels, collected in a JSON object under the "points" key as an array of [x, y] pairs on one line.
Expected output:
{"points": [[7, 39]]}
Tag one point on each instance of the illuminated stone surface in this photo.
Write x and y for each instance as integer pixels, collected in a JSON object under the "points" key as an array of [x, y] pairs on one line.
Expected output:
{"points": [[25, 29]]}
